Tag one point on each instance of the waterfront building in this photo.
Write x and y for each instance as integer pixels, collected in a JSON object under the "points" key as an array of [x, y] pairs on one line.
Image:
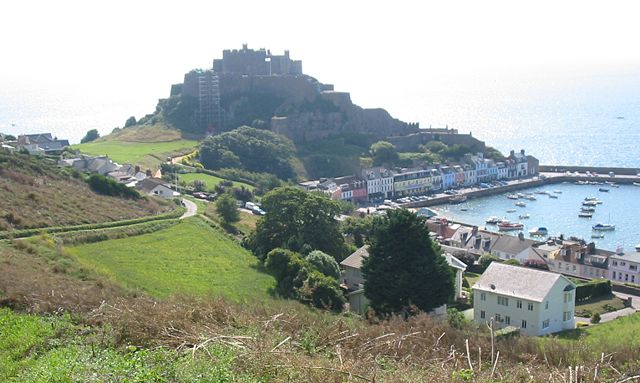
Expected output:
{"points": [[411, 182], [352, 189], [502, 171], [470, 175], [625, 268], [436, 180], [379, 182], [521, 162], [534, 301], [448, 177], [575, 258], [459, 175]]}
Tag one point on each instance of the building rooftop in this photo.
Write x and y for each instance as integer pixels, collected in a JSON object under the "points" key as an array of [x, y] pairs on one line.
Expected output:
{"points": [[517, 281], [630, 257]]}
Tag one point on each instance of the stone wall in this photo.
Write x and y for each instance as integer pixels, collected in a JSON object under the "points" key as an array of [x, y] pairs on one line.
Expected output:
{"points": [[583, 169], [411, 142]]}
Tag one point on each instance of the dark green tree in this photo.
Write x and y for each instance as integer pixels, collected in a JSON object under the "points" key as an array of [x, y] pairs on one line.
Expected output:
{"points": [[358, 229], [289, 270], [91, 135], [383, 152], [227, 209], [295, 218], [130, 122], [403, 268], [486, 260], [324, 263]]}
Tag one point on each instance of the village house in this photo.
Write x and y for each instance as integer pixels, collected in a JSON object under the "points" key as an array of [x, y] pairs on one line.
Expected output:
{"points": [[535, 301], [354, 281], [156, 187], [379, 182], [41, 143], [574, 257], [625, 268]]}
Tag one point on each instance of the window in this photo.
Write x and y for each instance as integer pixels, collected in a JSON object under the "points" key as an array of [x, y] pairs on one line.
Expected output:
{"points": [[615, 263], [633, 267], [530, 306], [482, 314], [483, 296], [546, 305], [614, 275], [507, 320], [567, 316], [519, 304], [504, 301], [524, 324], [567, 297], [545, 323], [498, 318]]}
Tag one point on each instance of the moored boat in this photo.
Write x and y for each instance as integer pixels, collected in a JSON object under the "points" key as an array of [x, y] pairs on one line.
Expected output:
{"points": [[521, 204], [458, 199], [492, 220], [597, 235], [589, 209], [538, 231], [604, 190], [524, 216], [553, 196], [585, 214], [510, 226], [512, 196], [603, 227], [511, 211], [558, 191]]}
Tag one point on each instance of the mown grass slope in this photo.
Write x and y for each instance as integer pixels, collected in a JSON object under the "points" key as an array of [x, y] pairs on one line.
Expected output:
{"points": [[209, 180], [189, 258], [37, 193]]}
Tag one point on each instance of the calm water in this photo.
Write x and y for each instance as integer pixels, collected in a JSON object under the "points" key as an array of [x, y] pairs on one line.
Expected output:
{"points": [[620, 207]]}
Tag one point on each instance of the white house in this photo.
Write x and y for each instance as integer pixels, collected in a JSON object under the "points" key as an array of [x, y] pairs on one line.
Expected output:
{"points": [[156, 187], [511, 247], [354, 281], [625, 268], [535, 301]]}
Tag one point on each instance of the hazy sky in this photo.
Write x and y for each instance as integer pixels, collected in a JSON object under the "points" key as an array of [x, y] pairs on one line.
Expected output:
{"points": [[408, 57]]}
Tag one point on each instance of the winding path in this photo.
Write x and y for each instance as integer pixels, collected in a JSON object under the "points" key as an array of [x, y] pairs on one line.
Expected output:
{"points": [[192, 209]]}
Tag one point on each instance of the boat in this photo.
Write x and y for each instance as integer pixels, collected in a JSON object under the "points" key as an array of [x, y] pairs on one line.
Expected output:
{"points": [[585, 214], [590, 198], [553, 196], [492, 220], [458, 199], [464, 209], [521, 204], [636, 184], [603, 227], [520, 195], [509, 226], [512, 196], [524, 216], [638, 248], [541, 192], [530, 197], [597, 235], [589, 209], [604, 190], [589, 203], [558, 191], [538, 231], [511, 211]]}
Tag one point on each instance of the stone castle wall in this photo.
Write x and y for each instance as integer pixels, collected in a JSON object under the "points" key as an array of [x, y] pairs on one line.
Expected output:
{"points": [[411, 142]]}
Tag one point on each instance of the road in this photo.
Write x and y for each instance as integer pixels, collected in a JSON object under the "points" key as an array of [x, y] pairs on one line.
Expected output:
{"points": [[192, 209]]}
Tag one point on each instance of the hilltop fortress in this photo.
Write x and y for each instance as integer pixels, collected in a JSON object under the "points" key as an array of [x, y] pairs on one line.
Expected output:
{"points": [[258, 88]]}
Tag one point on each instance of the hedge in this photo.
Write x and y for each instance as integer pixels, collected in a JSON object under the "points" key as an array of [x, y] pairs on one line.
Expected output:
{"points": [[593, 289], [91, 226]]}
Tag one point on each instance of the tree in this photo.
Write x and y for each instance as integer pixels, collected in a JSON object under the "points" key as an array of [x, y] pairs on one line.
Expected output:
{"points": [[324, 263], [130, 122], [250, 149], [227, 209], [383, 152], [295, 218], [486, 260], [595, 318], [358, 229], [199, 185], [91, 135], [288, 268], [403, 268]]}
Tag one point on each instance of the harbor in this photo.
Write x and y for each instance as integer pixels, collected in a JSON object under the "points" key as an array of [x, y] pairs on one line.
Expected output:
{"points": [[556, 207]]}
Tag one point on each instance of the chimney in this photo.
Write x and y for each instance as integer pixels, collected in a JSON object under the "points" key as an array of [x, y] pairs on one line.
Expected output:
{"points": [[522, 151], [521, 236], [513, 153], [474, 230]]}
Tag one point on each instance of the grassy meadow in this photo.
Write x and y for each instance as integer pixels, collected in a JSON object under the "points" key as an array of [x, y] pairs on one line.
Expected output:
{"points": [[209, 180], [189, 258], [146, 154]]}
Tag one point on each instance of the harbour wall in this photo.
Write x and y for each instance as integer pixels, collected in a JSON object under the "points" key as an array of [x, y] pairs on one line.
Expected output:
{"points": [[582, 169], [523, 184]]}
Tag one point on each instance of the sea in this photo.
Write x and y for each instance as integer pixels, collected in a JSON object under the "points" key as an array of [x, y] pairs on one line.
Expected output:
{"points": [[578, 120]]}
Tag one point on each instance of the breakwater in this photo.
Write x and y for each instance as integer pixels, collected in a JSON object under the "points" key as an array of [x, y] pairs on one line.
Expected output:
{"points": [[583, 169]]}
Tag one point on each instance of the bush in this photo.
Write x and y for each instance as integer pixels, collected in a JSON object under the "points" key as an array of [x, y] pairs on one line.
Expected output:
{"points": [[324, 263], [595, 318], [593, 289], [486, 260], [106, 186]]}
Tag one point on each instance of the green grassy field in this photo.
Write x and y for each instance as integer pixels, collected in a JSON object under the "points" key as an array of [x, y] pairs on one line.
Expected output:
{"points": [[146, 154], [209, 180], [622, 331], [188, 258], [599, 305]]}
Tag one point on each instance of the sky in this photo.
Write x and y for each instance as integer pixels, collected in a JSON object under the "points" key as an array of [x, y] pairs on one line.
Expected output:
{"points": [[412, 58]]}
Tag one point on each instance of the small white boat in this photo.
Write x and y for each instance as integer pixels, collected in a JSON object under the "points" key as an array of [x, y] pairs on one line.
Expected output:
{"points": [[589, 203], [511, 211], [524, 216], [585, 214], [597, 235], [521, 204], [589, 209], [590, 198], [603, 227], [530, 197], [541, 192], [558, 191], [492, 220], [512, 196], [553, 196], [636, 184], [604, 190], [539, 231]]}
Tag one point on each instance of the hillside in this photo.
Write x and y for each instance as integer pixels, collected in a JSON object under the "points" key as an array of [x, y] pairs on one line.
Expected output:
{"points": [[37, 193]]}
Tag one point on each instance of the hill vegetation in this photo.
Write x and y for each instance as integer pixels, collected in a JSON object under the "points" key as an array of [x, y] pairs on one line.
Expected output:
{"points": [[37, 193]]}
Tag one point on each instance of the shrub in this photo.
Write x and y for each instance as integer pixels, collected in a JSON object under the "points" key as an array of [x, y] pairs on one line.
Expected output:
{"points": [[593, 289], [106, 186], [486, 260], [324, 263], [595, 318]]}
